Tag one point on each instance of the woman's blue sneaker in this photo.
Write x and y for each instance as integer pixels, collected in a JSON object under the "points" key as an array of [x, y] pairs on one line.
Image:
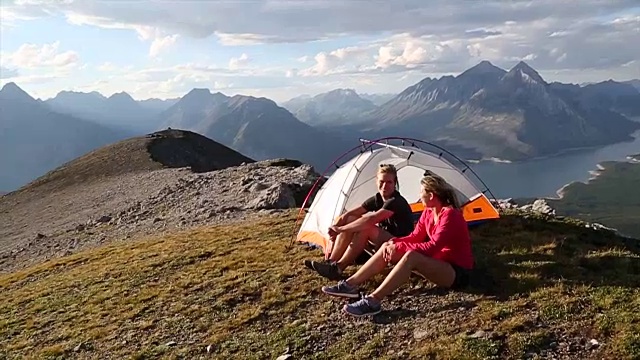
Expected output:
{"points": [[342, 290], [366, 306]]}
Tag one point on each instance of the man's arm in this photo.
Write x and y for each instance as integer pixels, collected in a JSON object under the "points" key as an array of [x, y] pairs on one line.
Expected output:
{"points": [[419, 233], [366, 220], [355, 212]]}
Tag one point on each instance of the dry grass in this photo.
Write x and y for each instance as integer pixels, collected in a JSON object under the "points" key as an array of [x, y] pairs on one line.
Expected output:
{"points": [[238, 290]]}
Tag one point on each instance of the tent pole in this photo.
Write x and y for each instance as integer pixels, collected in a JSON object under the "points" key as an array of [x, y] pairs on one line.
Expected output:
{"points": [[385, 145]]}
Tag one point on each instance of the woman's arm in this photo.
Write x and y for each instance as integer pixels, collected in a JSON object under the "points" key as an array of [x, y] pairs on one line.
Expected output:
{"points": [[445, 234], [419, 233]]}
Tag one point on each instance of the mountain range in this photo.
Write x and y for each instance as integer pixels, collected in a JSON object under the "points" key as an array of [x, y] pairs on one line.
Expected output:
{"points": [[486, 110], [483, 112], [34, 139]]}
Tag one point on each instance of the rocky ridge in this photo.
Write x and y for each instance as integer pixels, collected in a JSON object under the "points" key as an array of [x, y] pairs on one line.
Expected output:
{"points": [[180, 200], [541, 207], [125, 207]]}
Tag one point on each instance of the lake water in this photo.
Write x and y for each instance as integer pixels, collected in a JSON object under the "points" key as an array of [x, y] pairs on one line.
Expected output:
{"points": [[544, 177]]}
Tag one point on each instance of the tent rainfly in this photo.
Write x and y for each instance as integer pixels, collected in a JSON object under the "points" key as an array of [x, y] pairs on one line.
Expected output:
{"points": [[354, 181]]}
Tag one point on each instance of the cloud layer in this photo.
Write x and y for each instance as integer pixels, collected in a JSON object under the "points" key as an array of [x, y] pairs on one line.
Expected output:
{"points": [[567, 38]]}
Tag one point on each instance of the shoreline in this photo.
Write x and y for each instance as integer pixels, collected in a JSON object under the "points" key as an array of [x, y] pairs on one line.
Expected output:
{"points": [[633, 136], [600, 169]]}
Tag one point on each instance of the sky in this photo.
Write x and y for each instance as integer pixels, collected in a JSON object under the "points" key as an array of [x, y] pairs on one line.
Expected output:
{"points": [[282, 49]]}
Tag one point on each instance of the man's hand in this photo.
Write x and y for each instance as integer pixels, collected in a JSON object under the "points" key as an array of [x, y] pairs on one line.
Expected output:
{"points": [[389, 252], [334, 231]]}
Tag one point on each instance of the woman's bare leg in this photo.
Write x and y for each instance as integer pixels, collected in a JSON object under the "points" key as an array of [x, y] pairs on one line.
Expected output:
{"points": [[436, 271], [355, 247]]}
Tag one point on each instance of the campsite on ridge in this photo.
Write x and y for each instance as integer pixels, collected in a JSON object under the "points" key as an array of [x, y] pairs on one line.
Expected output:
{"points": [[319, 180], [206, 268]]}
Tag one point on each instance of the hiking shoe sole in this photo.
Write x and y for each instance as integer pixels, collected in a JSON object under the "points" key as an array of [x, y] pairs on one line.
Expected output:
{"points": [[341, 294], [376, 312]]}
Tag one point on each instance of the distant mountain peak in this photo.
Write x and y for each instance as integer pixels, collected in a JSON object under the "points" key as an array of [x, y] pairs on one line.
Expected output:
{"points": [[526, 72], [248, 100], [121, 96], [11, 87], [198, 92], [198, 97], [343, 92], [339, 94], [483, 67], [12, 91]]}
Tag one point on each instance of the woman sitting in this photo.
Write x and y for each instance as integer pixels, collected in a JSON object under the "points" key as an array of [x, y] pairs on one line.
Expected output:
{"points": [[439, 248]]}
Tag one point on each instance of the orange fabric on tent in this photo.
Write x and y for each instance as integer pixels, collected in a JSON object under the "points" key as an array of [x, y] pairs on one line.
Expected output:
{"points": [[477, 209]]}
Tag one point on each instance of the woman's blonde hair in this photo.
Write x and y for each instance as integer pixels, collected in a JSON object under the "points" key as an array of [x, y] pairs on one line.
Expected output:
{"points": [[437, 185], [389, 169]]}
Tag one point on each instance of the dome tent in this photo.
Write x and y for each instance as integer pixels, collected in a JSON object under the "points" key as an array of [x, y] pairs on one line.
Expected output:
{"points": [[355, 181]]}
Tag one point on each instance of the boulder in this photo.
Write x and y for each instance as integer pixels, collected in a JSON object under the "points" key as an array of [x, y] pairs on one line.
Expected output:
{"points": [[278, 196]]}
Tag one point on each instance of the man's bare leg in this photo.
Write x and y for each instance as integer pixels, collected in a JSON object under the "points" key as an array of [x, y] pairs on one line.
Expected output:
{"points": [[374, 234], [342, 242]]}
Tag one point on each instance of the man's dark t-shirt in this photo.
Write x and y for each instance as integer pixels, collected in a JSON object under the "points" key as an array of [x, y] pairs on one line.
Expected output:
{"points": [[401, 222]]}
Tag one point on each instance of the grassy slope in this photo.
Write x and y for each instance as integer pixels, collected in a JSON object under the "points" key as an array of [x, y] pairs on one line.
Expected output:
{"points": [[237, 289], [612, 198]]}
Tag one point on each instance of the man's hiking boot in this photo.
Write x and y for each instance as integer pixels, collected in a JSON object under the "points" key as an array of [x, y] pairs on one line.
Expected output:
{"points": [[342, 290], [366, 306], [309, 263], [328, 269]]}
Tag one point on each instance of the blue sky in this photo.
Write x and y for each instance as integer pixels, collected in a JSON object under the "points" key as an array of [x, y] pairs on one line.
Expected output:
{"points": [[282, 49]]}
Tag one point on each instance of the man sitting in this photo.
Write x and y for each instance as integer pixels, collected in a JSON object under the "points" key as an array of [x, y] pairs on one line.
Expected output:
{"points": [[383, 216]]}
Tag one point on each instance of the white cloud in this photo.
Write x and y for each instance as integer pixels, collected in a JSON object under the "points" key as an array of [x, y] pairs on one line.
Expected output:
{"points": [[33, 56], [493, 29], [160, 41], [161, 44], [241, 39], [264, 21], [407, 39], [239, 62], [106, 67], [338, 61], [579, 47]]}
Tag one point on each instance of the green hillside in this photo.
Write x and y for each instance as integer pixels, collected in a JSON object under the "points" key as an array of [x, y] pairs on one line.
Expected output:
{"points": [[612, 198], [549, 288]]}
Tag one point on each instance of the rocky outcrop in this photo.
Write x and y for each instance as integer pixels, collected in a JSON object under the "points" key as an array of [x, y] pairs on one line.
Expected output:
{"points": [[541, 207], [143, 204], [538, 206]]}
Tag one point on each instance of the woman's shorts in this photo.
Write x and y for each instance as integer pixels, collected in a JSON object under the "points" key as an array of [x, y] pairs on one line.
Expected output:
{"points": [[462, 277]]}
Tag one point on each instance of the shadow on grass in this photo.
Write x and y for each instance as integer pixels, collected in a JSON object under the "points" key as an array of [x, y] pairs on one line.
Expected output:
{"points": [[392, 316], [518, 255]]}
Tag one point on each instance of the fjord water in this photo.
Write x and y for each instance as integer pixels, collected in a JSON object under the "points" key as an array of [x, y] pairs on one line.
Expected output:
{"points": [[543, 177]]}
